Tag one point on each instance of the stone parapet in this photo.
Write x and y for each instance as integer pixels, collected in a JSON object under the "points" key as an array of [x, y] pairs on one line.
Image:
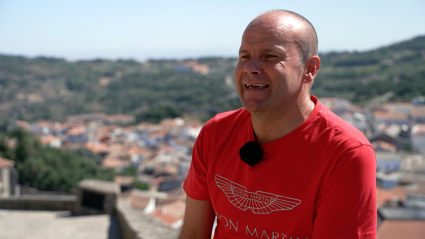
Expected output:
{"points": [[96, 197], [135, 224], [39, 202]]}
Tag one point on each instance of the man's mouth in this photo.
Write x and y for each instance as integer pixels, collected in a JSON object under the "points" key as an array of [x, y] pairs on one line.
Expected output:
{"points": [[256, 86]]}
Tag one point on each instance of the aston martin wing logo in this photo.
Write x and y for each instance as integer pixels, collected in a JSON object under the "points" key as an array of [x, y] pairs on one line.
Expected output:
{"points": [[259, 202]]}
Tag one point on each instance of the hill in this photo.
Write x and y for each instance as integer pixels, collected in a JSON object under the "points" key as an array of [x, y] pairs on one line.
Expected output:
{"points": [[52, 88], [360, 76]]}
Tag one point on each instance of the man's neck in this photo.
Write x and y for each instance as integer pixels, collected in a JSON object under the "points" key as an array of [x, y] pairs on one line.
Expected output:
{"points": [[272, 125]]}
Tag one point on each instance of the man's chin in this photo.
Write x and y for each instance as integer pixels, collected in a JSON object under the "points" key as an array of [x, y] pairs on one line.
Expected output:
{"points": [[254, 109]]}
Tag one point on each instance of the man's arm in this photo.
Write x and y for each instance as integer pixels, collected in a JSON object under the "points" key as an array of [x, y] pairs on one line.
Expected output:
{"points": [[198, 219], [347, 205]]}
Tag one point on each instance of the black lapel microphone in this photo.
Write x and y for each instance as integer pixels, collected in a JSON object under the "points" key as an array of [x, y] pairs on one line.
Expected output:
{"points": [[251, 153]]}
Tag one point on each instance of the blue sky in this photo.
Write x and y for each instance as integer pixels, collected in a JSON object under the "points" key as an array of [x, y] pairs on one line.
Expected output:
{"points": [[77, 29]]}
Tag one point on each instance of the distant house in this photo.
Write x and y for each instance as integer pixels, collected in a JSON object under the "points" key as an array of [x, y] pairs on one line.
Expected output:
{"points": [[170, 183], [404, 107], [120, 119], [192, 65], [21, 124], [8, 177], [42, 127], [418, 138], [393, 197], [51, 141], [77, 135], [388, 181], [382, 146], [415, 190], [335, 103], [397, 141], [391, 117], [117, 164], [388, 161], [418, 114], [347, 111], [413, 163]]}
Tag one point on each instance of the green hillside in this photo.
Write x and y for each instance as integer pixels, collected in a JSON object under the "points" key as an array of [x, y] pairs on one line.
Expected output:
{"points": [[50, 88], [360, 76]]}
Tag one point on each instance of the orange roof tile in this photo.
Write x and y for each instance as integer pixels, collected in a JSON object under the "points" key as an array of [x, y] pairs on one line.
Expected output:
{"points": [[76, 131], [167, 218], [379, 144], [113, 163], [6, 163], [383, 196], [22, 124], [139, 151], [138, 201], [48, 139], [42, 123], [97, 147], [120, 118], [399, 192], [390, 115], [418, 111], [124, 180], [166, 149], [175, 208]]}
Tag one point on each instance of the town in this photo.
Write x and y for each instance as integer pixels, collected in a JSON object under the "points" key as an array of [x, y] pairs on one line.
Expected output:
{"points": [[161, 155]]}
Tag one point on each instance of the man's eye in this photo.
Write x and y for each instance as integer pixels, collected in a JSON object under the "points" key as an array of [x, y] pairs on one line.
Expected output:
{"points": [[270, 56], [244, 57]]}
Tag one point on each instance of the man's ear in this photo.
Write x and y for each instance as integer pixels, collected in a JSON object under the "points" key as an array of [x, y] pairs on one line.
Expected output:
{"points": [[312, 68]]}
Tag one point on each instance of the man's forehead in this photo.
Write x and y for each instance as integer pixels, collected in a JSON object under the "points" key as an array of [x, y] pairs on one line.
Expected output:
{"points": [[267, 37]]}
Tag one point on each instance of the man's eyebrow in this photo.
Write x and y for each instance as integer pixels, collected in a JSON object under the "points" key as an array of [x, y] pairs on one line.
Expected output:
{"points": [[270, 50]]}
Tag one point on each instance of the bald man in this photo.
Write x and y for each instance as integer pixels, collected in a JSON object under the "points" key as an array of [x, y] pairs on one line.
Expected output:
{"points": [[283, 166]]}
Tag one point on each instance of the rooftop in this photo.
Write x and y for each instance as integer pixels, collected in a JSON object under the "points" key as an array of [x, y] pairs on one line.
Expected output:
{"points": [[393, 213], [6, 163], [395, 229]]}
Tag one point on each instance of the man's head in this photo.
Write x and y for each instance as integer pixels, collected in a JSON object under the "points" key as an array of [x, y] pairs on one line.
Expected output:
{"points": [[306, 41], [277, 61]]}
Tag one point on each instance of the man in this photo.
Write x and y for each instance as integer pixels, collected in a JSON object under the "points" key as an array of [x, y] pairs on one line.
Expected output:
{"points": [[316, 177]]}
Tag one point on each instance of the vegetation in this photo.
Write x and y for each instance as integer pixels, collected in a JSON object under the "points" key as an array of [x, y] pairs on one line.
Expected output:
{"points": [[399, 68], [52, 88], [48, 168], [141, 185]]}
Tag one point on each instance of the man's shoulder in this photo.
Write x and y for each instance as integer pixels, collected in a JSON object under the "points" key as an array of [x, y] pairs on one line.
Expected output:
{"points": [[341, 130], [228, 119], [221, 124], [231, 115]]}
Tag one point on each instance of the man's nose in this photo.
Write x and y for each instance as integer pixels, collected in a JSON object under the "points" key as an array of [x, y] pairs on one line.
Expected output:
{"points": [[253, 67]]}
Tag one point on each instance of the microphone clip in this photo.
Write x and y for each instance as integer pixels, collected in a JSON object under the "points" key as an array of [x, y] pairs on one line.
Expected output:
{"points": [[251, 153]]}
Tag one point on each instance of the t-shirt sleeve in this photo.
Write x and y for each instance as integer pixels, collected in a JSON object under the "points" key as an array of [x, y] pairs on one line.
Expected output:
{"points": [[195, 184], [346, 207]]}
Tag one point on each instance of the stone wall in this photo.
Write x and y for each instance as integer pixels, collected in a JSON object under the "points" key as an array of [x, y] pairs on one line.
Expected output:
{"points": [[39, 202], [136, 225]]}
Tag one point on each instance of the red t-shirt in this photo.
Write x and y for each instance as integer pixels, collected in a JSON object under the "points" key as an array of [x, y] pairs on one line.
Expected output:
{"points": [[316, 182]]}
